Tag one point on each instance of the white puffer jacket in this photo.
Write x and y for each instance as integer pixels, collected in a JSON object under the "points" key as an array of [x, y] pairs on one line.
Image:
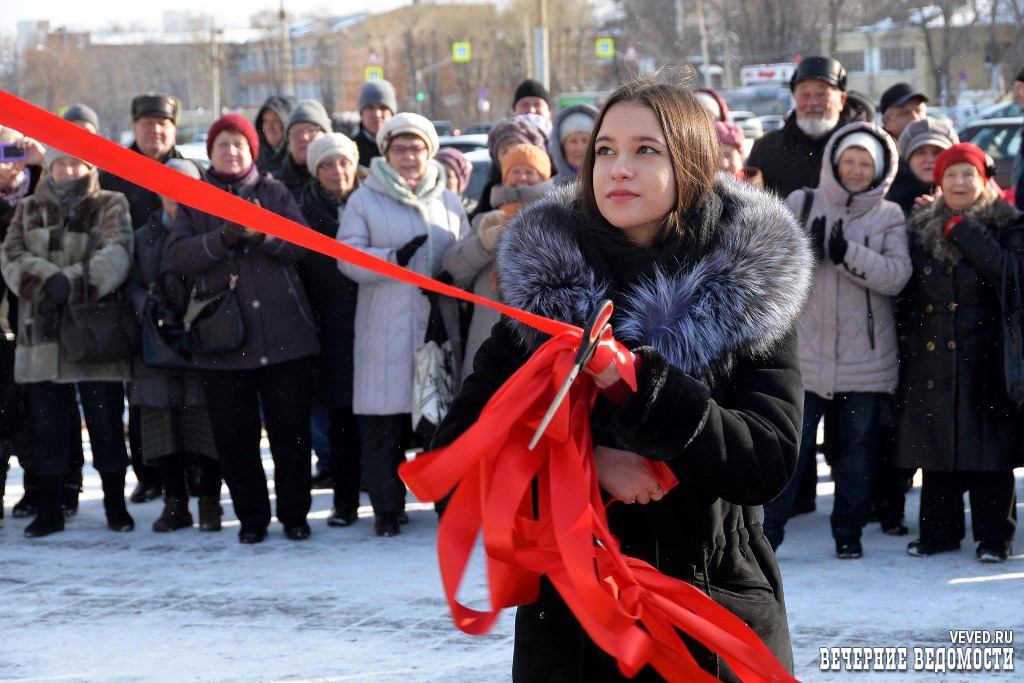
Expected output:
{"points": [[846, 332]]}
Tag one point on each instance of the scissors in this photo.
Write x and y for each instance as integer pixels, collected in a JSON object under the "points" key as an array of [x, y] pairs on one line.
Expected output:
{"points": [[596, 328]]}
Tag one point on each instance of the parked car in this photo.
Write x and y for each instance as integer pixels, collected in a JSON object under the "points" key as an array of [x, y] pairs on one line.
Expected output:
{"points": [[445, 128], [1000, 139], [748, 121], [463, 143], [481, 160], [999, 110], [770, 122], [479, 127]]}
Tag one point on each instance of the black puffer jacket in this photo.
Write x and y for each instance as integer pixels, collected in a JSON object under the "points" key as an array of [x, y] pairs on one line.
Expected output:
{"points": [[954, 412], [719, 398], [788, 158], [271, 158]]}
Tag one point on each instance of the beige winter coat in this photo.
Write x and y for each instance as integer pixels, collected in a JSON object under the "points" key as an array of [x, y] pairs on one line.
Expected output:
{"points": [[847, 332]]}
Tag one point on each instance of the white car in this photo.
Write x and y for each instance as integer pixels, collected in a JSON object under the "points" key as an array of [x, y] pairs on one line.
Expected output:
{"points": [[748, 121]]}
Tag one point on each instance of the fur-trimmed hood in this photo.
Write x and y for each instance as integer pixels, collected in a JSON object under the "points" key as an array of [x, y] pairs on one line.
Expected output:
{"points": [[740, 297], [926, 226]]}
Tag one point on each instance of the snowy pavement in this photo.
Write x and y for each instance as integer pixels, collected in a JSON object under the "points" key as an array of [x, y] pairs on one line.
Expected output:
{"points": [[91, 605]]}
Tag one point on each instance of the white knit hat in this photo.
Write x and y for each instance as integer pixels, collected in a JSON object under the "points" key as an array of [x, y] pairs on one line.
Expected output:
{"points": [[329, 145], [577, 122], [407, 123], [868, 143]]}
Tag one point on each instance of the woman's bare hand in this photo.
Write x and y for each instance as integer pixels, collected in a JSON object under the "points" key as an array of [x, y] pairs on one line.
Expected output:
{"points": [[624, 475]]}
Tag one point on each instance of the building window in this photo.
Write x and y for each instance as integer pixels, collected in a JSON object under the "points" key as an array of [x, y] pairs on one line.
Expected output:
{"points": [[852, 61], [896, 58]]}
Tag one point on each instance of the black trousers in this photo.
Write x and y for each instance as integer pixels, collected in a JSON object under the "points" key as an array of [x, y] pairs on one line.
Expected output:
{"points": [[993, 507], [51, 407], [233, 399], [345, 454], [387, 437]]}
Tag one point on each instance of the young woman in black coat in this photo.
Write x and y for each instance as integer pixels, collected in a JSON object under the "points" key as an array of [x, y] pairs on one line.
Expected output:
{"points": [[707, 276]]}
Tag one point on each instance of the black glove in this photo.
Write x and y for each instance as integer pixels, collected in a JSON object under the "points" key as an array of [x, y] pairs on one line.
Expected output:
{"points": [[405, 252], [817, 237], [231, 233], [57, 288], [837, 244]]}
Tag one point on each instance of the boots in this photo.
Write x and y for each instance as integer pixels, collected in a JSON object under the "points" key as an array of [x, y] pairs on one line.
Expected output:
{"points": [[118, 518], [27, 506], [50, 518], [69, 499], [209, 513], [175, 515], [3, 490]]}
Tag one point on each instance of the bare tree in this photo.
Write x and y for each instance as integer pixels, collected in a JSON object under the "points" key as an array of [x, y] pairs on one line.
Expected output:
{"points": [[942, 40]]}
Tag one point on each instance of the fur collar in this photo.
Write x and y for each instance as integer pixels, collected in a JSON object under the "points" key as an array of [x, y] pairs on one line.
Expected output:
{"points": [[926, 226], [741, 296]]}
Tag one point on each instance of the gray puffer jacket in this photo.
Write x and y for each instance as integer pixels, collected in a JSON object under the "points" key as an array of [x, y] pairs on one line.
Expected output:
{"points": [[847, 332]]}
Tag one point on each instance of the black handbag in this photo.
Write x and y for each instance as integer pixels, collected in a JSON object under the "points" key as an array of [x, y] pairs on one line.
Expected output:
{"points": [[102, 331], [1012, 302], [214, 325], [163, 338]]}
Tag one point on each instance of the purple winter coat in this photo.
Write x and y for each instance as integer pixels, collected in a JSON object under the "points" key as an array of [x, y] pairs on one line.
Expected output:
{"points": [[278, 321]]}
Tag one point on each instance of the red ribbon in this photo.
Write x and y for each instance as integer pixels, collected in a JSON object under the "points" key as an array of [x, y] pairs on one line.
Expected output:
{"points": [[627, 607], [611, 594], [56, 132]]}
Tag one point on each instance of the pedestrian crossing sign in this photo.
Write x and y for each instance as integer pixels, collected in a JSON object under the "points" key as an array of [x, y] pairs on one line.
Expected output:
{"points": [[605, 48], [374, 73], [462, 52]]}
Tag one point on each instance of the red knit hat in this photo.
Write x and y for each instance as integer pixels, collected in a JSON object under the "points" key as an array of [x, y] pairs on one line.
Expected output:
{"points": [[961, 153], [237, 123]]}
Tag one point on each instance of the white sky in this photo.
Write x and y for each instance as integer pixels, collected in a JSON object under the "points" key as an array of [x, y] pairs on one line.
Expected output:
{"points": [[79, 15]]}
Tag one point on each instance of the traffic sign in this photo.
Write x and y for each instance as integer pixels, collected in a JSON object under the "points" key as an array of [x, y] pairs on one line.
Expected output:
{"points": [[605, 48], [462, 52], [374, 73]]}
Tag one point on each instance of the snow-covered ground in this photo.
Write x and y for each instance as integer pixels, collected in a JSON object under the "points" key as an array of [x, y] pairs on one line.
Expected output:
{"points": [[92, 605]]}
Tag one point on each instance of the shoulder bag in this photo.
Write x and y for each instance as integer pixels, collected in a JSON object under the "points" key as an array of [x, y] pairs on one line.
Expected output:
{"points": [[102, 331], [214, 325]]}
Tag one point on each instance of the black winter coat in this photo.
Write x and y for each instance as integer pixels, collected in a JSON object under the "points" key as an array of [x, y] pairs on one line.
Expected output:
{"points": [[906, 188], [293, 175], [332, 296], [788, 158], [954, 412], [720, 398], [141, 202]]}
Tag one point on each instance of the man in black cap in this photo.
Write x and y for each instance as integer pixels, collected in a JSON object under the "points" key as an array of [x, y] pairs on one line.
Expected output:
{"points": [[1018, 170], [155, 125], [900, 105], [531, 97], [790, 157]]}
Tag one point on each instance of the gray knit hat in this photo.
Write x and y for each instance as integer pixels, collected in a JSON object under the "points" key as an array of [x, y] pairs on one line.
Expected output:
{"points": [[927, 131], [377, 92], [82, 112], [186, 166], [310, 111], [329, 145], [52, 154]]}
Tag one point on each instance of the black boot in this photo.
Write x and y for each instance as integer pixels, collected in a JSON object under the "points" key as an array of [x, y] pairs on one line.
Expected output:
{"points": [[50, 518], [28, 505], [3, 490], [118, 518], [69, 499]]}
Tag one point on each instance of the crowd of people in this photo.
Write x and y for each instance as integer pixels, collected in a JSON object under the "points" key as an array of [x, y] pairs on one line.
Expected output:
{"points": [[844, 270]]}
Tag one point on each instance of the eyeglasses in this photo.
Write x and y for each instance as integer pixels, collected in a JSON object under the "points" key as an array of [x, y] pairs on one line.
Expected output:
{"points": [[304, 132], [402, 150]]}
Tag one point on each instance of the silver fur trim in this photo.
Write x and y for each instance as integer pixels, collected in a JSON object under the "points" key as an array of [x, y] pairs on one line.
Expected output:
{"points": [[742, 297]]}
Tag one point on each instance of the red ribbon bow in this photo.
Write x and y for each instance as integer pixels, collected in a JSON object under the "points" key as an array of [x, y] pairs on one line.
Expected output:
{"points": [[628, 608]]}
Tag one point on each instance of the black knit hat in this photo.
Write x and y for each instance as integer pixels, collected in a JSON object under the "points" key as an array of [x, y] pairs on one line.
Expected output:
{"points": [[531, 88]]}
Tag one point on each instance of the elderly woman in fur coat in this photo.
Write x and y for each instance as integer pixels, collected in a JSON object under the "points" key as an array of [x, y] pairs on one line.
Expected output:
{"points": [[708, 277], [52, 231], [956, 421]]}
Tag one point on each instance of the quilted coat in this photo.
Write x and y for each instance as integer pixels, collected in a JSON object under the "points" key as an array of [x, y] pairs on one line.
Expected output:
{"points": [[391, 316], [46, 238], [847, 332]]}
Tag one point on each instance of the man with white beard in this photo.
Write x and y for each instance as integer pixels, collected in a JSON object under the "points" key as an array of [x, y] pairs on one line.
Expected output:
{"points": [[790, 158]]}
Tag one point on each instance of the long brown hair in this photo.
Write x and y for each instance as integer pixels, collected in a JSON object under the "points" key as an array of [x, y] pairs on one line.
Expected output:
{"points": [[692, 146]]}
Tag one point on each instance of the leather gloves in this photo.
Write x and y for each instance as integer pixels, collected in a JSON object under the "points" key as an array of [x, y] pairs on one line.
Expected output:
{"points": [[817, 237], [405, 252], [231, 233], [55, 291], [837, 243]]}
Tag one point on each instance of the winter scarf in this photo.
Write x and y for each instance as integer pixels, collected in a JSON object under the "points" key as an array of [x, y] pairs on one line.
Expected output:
{"points": [[511, 199], [926, 226], [68, 192], [430, 187]]}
